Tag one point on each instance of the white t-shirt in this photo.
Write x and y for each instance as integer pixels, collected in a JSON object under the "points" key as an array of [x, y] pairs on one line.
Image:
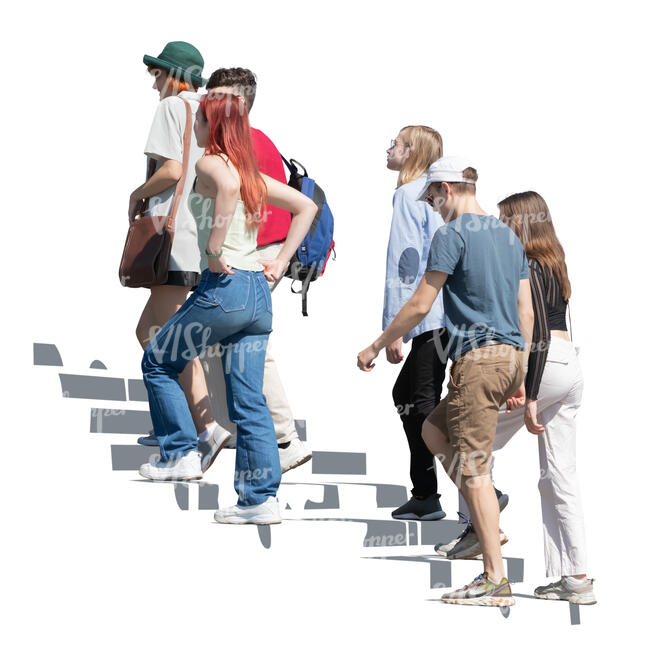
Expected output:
{"points": [[166, 142]]}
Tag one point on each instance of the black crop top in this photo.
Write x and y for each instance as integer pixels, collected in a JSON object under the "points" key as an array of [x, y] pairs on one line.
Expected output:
{"points": [[550, 314]]}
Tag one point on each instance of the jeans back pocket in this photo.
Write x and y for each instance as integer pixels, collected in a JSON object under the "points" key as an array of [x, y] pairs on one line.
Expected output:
{"points": [[230, 292]]}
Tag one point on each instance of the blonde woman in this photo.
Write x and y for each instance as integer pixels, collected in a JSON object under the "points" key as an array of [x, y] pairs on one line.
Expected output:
{"points": [[419, 384]]}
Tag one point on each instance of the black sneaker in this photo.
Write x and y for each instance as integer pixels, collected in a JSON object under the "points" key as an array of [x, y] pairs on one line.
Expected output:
{"points": [[420, 509]]}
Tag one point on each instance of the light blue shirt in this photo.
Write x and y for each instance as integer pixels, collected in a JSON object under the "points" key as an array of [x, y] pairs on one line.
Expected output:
{"points": [[412, 229]]}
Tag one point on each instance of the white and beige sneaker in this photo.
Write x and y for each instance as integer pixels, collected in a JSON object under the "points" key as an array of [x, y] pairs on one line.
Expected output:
{"points": [[261, 513], [580, 593], [294, 455], [185, 468], [212, 446]]}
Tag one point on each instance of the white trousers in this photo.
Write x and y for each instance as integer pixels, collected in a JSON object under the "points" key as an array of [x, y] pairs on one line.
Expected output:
{"points": [[276, 398], [558, 400]]}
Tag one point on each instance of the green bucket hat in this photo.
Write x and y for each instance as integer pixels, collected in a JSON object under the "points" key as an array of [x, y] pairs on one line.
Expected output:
{"points": [[180, 58]]}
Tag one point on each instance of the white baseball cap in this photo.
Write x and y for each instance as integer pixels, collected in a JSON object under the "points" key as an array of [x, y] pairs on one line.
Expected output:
{"points": [[449, 169]]}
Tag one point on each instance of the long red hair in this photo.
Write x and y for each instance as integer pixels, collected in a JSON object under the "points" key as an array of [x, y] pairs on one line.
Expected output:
{"points": [[230, 135]]}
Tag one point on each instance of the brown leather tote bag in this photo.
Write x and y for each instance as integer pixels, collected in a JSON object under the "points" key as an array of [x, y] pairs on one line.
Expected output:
{"points": [[148, 246]]}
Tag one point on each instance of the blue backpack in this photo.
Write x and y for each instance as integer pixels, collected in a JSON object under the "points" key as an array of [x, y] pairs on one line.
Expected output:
{"points": [[309, 261]]}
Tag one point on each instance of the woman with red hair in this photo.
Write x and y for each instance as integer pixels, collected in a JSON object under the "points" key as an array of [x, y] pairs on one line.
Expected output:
{"points": [[231, 306]]}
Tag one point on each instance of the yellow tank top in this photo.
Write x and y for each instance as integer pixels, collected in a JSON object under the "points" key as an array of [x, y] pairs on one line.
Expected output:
{"points": [[240, 245]]}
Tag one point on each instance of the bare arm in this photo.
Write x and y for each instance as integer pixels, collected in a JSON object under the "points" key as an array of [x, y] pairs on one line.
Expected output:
{"points": [[418, 306], [526, 315], [167, 175]]}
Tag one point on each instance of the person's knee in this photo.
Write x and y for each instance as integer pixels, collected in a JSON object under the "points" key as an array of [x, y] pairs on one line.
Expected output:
{"points": [[472, 485], [434, 439]]}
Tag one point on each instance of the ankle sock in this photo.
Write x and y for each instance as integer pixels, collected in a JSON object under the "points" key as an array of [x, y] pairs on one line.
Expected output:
{"points": [[576, 581], [205, 435]]}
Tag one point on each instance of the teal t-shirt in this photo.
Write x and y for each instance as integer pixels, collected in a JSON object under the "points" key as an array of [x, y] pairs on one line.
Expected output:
{"points": [[485, 261]]}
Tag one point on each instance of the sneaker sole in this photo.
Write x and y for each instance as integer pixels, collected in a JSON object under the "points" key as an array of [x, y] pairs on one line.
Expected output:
{"points": [[151, 443], [484, 601], [433, 516], [297, 463], [576, 599], [216, 453], [440, 551], [247, 521], [172, 478]]}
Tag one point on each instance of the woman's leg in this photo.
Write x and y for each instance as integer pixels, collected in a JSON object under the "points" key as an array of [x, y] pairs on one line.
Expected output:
{"points": [[564, 534], [162, 362], [422, 467], [257, 463], [163, 303], [211, 314]]}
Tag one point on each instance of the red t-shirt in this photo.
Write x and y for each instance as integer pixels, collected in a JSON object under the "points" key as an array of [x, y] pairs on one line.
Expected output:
{"points": [[277, 223]]}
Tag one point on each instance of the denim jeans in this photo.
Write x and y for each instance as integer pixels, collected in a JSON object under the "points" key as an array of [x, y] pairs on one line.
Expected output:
{"points": [[236, 311]]}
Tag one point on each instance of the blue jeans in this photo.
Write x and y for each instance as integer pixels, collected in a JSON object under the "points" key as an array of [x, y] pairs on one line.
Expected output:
{"points": [[236, 311]]}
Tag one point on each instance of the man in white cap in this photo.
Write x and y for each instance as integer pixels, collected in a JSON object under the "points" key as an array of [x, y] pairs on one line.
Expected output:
{"points": [[481, 267]]}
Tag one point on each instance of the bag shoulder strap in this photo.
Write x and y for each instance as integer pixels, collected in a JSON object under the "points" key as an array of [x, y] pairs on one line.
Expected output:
{"points": [[178, 192]]}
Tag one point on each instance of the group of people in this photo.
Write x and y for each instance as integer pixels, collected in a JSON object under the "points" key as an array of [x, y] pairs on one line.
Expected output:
{"points": [[234, 236], [489, 294]]}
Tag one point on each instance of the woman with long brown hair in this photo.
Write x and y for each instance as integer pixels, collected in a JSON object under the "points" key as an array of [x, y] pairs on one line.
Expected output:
{"points": [[550, 398], [231, 306]]}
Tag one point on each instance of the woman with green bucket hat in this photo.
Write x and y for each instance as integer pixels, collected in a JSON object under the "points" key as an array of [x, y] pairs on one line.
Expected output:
{"points": [[177, 71]]}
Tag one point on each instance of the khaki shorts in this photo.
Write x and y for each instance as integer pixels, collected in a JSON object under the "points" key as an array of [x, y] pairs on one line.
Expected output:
{"points": [[480, 381]]}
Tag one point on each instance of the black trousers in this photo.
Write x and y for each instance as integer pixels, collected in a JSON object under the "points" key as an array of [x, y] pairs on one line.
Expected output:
{"points": [[416, 393]]}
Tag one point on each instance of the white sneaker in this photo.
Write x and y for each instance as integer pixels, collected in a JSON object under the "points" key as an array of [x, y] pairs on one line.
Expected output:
{"points": [[261, 513], [185, 468], [581, 593], [231, 443], [294, 455], [212, 446]]}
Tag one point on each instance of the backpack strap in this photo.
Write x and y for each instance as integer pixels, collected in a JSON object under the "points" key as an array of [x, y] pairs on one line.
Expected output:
{"points": [[305, 288]]}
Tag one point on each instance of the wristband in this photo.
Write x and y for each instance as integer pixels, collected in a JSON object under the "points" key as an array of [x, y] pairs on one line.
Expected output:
{"points": [[219, 254]]}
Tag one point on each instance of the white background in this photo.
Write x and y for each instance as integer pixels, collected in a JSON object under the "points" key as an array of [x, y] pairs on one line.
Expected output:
{"points": [[545, 96]]}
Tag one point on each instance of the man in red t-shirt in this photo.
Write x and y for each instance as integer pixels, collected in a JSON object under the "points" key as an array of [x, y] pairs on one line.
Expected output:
{"points": [[276, 226], [270, 237]]}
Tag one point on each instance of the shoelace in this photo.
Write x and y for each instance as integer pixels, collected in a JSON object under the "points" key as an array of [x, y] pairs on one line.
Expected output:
{"points": [[480, 579], [468, 525]]}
